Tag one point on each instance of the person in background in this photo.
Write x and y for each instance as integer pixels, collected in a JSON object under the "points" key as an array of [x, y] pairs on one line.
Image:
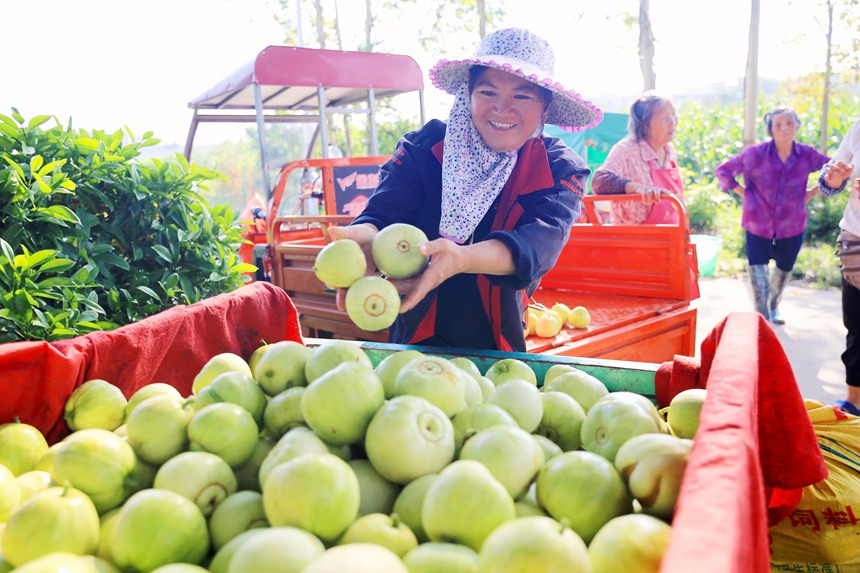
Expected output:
{"points": [[774, 196], [848, 249], [495, 196], [643, 163]]}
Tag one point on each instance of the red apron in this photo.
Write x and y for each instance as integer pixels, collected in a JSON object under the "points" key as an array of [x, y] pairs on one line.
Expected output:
{"points": [[669, 178]]}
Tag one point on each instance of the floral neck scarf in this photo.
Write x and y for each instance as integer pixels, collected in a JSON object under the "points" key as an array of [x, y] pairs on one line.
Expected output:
{"points": [[473, 175]]}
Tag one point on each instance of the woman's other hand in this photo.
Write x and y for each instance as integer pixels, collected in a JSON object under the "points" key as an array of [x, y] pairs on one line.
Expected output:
{"points": [[836, 173], [650, 194], [447, 259], [362, 234]]}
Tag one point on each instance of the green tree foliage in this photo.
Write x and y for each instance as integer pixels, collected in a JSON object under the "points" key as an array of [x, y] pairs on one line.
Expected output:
{"points": [[239, 162], [93, 238]]}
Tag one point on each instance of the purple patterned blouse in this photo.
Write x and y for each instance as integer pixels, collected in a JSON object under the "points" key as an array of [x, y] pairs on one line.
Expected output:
{"points": [[775, 201]]}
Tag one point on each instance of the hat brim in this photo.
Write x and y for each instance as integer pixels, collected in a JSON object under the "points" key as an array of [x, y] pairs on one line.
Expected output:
{"points": [[568, 110]]}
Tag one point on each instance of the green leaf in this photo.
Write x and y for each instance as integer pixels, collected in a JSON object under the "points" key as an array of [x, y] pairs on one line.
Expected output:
{"points": [[22, 304], [43, 187], [114, 260], [59, 316], [59, 333], [10, 131], [162, 252], [49, 167], [87, 143], [5, 119], [37, 121], [47, 295], [62, 213], [57, 265], [82, 275], [187, 288], [244, 268], [149, 291], [36, 162], [57, 282], [37, 258], [21, 176], [7, 250]]}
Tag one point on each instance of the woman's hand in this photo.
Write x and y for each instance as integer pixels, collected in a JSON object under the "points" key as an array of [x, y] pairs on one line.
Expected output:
{"points": [[362, 234], [447, 259], [650, 194], [836, 173]]}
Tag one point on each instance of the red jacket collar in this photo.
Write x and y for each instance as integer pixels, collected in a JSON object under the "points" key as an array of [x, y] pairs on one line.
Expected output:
{"points": [[530, 174]]}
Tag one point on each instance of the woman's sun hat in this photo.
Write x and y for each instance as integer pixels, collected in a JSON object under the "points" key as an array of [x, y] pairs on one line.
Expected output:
{"points": [[519, 52]]}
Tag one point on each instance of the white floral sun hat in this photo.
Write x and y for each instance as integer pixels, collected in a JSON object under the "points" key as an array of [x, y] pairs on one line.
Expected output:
{"points": [[518, 51]]}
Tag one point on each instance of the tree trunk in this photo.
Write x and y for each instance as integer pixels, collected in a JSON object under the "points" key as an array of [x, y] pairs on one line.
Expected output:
{"points": [[368, 26], [337, 34], [481, 6], [320, 23], [347, 142], [828, 71], [299, 30], [646, 46], [751, 78]]}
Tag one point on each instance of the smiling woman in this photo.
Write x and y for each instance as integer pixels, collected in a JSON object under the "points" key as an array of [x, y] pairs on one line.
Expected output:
{"points": [[494, 195], [506, 109]]}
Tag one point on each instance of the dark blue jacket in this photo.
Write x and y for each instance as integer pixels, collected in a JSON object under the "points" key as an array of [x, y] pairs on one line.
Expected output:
{"points": [[532, 216]]}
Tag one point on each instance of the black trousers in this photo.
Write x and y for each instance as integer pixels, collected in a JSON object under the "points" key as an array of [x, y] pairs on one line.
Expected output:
{"points": [[851, 319]]}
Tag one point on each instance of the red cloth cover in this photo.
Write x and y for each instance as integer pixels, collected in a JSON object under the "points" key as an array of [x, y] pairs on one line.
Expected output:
{"points": [[755, 446], [36, 378], [676, 376]]}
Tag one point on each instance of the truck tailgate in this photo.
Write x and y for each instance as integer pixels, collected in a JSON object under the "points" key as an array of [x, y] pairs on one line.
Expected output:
{"points": [[623, 327]]}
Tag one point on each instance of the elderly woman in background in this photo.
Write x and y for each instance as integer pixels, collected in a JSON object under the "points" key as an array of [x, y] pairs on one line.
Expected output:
{"points": [[643, 163], [774, 195]]}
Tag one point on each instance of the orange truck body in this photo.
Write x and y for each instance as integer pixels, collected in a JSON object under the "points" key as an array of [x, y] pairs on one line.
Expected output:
{"points": [[635, 281]]}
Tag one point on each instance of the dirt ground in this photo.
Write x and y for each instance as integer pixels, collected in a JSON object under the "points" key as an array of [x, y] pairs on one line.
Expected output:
{"points": [[813, 336]]}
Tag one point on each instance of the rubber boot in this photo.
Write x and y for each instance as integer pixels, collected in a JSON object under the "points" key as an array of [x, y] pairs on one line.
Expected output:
{"points": [[777, 285], [760, 287]]}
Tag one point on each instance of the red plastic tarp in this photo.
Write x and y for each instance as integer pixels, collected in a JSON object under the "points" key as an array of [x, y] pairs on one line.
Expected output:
{"points": [[36, 378]]}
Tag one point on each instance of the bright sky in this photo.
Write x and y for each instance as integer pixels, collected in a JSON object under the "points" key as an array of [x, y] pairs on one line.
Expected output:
{"points": [[111, 63]]}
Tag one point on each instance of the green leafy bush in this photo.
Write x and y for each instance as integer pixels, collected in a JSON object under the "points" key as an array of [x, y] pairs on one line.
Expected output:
{"points": [[95, 238]]}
